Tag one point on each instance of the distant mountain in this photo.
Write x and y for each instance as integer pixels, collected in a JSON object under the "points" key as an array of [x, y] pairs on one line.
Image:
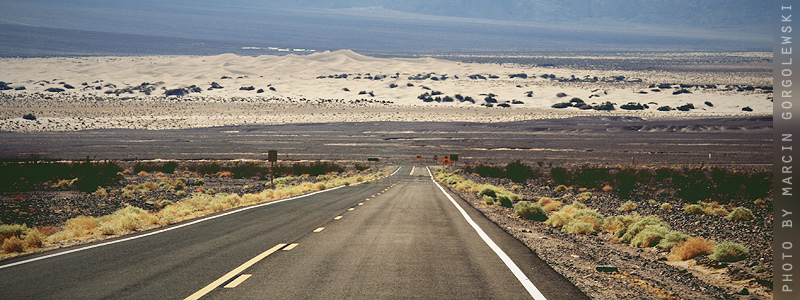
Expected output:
{"points": [[408, 26], [708, 14]]}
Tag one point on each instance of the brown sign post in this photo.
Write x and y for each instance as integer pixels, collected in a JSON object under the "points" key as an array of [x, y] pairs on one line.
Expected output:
{"points": [[272, 157]]}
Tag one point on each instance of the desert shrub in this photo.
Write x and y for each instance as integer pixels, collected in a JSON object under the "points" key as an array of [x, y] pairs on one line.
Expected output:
{"points": [[691, 247], [650, 235], [530, 211], [632, 106], [729, 252], [488, 200], [605, 106], [740, 213], [618, 225], [561, 105], [561, 95], [640, 225], [100, 192], [559, 219], [576, 218], [627, 206], [13, 244], [666, 206], [671, 239], [30, 117], [549, 204], [578, 227], [83, 223], [504, 200], [693, 209], [93, 175], [34, 238], [747, 108], [7, 231], [488, 191], [168, 167], [519, 172]]}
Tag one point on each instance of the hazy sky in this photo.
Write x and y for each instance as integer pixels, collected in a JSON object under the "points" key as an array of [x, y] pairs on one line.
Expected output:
{"points": [[420, 25]]}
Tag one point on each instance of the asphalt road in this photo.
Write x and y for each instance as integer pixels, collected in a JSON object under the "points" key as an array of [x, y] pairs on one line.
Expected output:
{"points": [[399, 237]]}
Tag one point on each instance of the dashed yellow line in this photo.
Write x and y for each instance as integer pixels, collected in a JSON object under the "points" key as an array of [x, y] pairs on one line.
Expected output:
{"points": [[290, 247], [337, 217], [202, 292], [319, 229], [352, 208], [236, 282], [362, 203]]}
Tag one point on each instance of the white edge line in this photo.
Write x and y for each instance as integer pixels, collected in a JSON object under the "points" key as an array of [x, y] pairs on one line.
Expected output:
{"points": [[178, 226], [526, 282]]}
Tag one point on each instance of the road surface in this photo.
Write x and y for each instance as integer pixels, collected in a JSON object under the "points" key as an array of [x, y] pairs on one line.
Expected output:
{"points": [[397, 237]]}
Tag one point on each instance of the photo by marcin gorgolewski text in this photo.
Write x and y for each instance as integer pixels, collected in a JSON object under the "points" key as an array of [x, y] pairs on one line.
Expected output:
{"points": [[786, 122]]}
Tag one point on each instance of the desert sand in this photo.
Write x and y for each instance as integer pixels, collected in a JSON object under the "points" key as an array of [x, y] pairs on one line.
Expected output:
{"points": [[342, 86]]}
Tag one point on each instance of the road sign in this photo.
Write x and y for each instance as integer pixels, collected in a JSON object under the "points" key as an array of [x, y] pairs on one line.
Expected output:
{"points": [[419, 157], [272, 155], [435, 158], [446, 160], [454, 157]]}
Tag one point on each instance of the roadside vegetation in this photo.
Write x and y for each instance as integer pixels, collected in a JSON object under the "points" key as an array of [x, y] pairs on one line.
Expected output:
{"points": [[557, 196], [157, 194]]}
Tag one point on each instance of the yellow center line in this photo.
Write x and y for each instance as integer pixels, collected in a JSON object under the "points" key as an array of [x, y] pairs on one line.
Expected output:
{"points": [[352, 208], [362, 203], [237, 281], [367, 199], [319, 229], [202, 292], [290, 247], [337, 217], [412, 171]]}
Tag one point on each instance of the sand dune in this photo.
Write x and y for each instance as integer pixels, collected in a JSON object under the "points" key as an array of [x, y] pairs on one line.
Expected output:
{"points": [[318, 78]]}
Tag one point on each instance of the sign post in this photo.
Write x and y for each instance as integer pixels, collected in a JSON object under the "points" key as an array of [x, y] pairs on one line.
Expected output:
{"points": [[272, 156]]}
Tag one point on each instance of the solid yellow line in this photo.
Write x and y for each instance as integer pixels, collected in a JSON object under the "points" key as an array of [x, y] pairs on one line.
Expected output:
{"points": [[236, 282], [337, 217], [202, 292], [319, 229], [290, 247]]}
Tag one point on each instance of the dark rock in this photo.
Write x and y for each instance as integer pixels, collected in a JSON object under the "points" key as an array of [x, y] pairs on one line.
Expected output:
{"points": [[54, 90], [29, 117], [743, 291], [606, 268]]}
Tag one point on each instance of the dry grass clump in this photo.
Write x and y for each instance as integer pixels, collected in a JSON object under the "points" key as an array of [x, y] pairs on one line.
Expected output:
{"points": [[634, 229], [75, 228], [13, 244], [740, 213], [530, 211], [671, 239], [576, 218], [627, 206], [666, 206], [618, 225], [650, 235], [549, 204], [690, 248], [729, 252], [124, 220], [711, 209]]}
